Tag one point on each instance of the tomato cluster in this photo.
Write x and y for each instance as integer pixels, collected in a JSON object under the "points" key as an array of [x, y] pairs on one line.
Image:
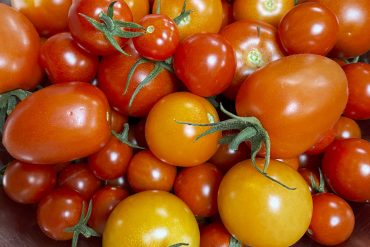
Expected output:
{"points": [[186, 122]]}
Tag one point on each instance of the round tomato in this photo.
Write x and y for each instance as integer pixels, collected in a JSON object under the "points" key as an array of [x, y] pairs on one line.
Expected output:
{"points": [[214, 235], [346, 128], [139, 8], [117, 121], [253, 207], [227, 13], [322, 143], [163, 218]]}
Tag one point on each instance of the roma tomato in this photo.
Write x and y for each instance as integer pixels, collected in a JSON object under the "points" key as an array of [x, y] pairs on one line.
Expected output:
{"points": [[173, 142], [139, 8], [346, 128], [294, 92], [157, 212], [214, 235], [253, 207], [49, 126]]}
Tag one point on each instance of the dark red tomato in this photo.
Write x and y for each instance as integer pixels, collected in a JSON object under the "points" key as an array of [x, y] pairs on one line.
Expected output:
{"points": [[58, 123], [117, 121], [346, 166], [306, 173], [205, 63], [310, 161], [86, 34], [160, 39], [346, 128], [112, 76], [65, 61], [28, 183], [119, 182], [197, 186], [294, 92], [332, 220], [309, 28], [49, 17], [136, 133], [147, 172], [112, 160], [103, 203], [214, 235], [354, 22], [322, 143], [358, 75], [19, 49], [227, 13], [80, 178], [59, 210], [255, 44]]}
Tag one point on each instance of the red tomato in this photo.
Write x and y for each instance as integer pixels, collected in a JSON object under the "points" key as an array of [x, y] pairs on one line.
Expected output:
{"points": [[139, 8], [119, 182], [346, 128], [346, 166], [28, 183], [310, 161], [322, 143], [58, 123], [306, 173], [214, 235], [117, 121], [294, 92], [205, 63], [227, 13]]}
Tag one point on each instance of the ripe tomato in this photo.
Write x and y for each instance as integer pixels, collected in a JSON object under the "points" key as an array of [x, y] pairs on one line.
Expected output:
{"points": [[322, 143], [164, 221], [206, 15], [28, 183], [205, 63], [332, 220], [253, 207], [346, 128], [20, 46], [346, 166], [49, 17], [292, 162], [174, 143], [117, 121], [214, 235], [307, 173], [270, 11], [302, 95], [139, 8], [227, 13], [50, 126]]}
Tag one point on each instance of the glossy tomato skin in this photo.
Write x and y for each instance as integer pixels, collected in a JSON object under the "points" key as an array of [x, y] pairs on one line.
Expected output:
{"points": [[19, 51], [280, 99], [156, 212], [57, 211], [322, 143], [139, 8], [332, 220], [267, 208], [85, 34], [205, 63], [346, 128], [227, 13], [346, 166], [214, 235], [358, 75], [117, 121], [174, 143], [49, 17], [309, 28], [292, 162], [28, 183], [255, 44], [49, 126]]}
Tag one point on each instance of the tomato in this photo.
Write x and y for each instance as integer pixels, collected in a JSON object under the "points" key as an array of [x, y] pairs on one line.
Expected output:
{"points": [[270, 11], [117, 121], [332, 219], [227, 13], [198, 186], [306, 173], [174, 143], [294, 92], [146, 172], [346, 166], [103, 202], [205, 63], [86, 34], [164, 221], [358, 75], [309, 28], [136, 134], [28, 183], [346, 128], [20, 46], [253, 207], [322, 143], [49, 17], [50, 126], [214, 235], [119, 182], [139, 8], [292, 162], [255, 44], [310, 161], [59, 210], [206, 15], [160, 39]]}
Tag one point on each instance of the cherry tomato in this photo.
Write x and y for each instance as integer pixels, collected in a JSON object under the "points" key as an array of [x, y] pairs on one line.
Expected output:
{"points": [[205, 63], [167, 221], [292, 162], [139, 8], [306, 173], [50, 126], [346, 128], [310, 161], [117, 121], [332, 220], [292, 100], [322, 143], [227, 13], [173, 142], [103, 202], [119, 182], [146, 172], [253, 207], [214, 235], [346, 166], [28, 183]]}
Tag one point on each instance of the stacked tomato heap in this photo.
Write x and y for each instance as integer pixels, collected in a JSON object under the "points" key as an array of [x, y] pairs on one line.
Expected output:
{"points": [[223, 116]]}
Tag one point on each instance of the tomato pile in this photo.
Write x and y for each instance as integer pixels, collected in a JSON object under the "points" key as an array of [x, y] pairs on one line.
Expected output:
{"points": [[186, 123]]}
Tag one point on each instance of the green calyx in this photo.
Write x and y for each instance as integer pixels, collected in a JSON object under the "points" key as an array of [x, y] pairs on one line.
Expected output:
{"points": [[123, 137], [318, 188], [184, 15], [179, 245], [235, 243], [255, 57], [270, 5]]}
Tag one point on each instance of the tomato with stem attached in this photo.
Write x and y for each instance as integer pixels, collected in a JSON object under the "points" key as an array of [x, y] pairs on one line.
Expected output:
{"points": [[346, 128]]}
